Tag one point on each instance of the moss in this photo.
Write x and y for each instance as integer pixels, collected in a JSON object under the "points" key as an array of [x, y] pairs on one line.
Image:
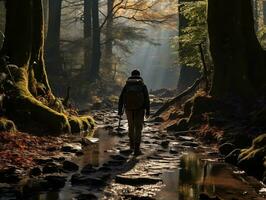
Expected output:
{"points": [[79, 124], [7, 125], [260, 141], [253, 158], [23, 100]]}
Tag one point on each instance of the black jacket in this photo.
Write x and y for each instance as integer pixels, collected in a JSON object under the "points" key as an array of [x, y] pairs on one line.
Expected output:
{"points": [[121, 103]]}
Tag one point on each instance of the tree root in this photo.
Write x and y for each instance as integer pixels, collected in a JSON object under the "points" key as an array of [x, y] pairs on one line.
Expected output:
{"points": [[7, 125], [23, 103], [188, 91]]}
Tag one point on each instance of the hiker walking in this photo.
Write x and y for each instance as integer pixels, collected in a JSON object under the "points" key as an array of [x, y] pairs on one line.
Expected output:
{"points": [[135, 99]]}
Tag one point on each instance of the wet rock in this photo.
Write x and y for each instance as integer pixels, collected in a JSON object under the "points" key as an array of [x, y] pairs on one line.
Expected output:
{"points": [[173, 151], [105, 169], [10, 175], [226, 148], [165, 143], [186, 138], [136, 180], [136, 197], [204, 196], [36, 171], [71, 148], [190, 144], [88, 169], [55, 182], [181, 125], [87, 197], [232, 157], [70, 166], [51, 168], [78, 179], [59, 158], [41, 161]]}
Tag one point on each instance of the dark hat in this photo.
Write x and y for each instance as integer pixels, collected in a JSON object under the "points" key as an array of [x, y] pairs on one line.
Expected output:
{"points": [[135, 72]]}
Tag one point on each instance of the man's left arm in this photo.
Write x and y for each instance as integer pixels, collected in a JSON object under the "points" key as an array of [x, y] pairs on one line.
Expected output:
{"points": [[147, 101]]}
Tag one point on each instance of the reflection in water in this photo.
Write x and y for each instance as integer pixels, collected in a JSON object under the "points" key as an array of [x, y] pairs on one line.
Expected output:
{"points": [[188, 181]]}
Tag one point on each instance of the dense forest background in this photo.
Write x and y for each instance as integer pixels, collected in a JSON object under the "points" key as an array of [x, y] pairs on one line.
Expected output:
{"points": [[63, 64]]}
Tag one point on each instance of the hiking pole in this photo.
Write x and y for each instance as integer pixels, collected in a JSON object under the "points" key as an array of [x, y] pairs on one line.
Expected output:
{"points": [[119, 122]]}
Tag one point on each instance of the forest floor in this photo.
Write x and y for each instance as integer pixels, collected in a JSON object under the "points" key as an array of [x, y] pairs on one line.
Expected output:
{"points": [[173, 166]]}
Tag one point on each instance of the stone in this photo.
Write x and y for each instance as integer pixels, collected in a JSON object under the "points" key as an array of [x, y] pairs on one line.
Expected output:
{"points": [[186, 138], [136, 180], [70, 166], [165, 143], [41, 161], [10, 175], [88, 169], [58, 158], [173, 151], [51, 168], [226, 148], [55, 182], [71, 148], [36, 171], [232, 157], [136, 197], [87, 197], [78, 179], [190, 144]]}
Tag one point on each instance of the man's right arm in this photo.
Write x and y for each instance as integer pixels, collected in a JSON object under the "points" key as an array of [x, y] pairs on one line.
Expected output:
{"points": [[121, 102]]}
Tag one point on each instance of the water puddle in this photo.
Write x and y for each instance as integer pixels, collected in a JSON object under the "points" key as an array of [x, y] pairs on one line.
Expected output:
{"points": [[187, 181]]}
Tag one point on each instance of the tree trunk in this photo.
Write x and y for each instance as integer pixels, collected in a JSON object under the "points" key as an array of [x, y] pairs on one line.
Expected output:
{"points": [[87, 36], [96, 42], [239, 60], [108, 50], [52, 44], [28, 70]]}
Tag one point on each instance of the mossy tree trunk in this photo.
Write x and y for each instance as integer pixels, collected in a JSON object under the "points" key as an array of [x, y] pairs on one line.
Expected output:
{"points": [[239, 60], [24, 45]]}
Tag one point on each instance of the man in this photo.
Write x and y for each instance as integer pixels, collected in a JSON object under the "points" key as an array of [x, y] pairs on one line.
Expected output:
{"points": [[135, 99]]}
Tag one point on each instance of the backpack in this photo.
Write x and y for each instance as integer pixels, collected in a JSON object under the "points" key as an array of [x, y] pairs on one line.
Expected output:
{"points": [[134, 96]]}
